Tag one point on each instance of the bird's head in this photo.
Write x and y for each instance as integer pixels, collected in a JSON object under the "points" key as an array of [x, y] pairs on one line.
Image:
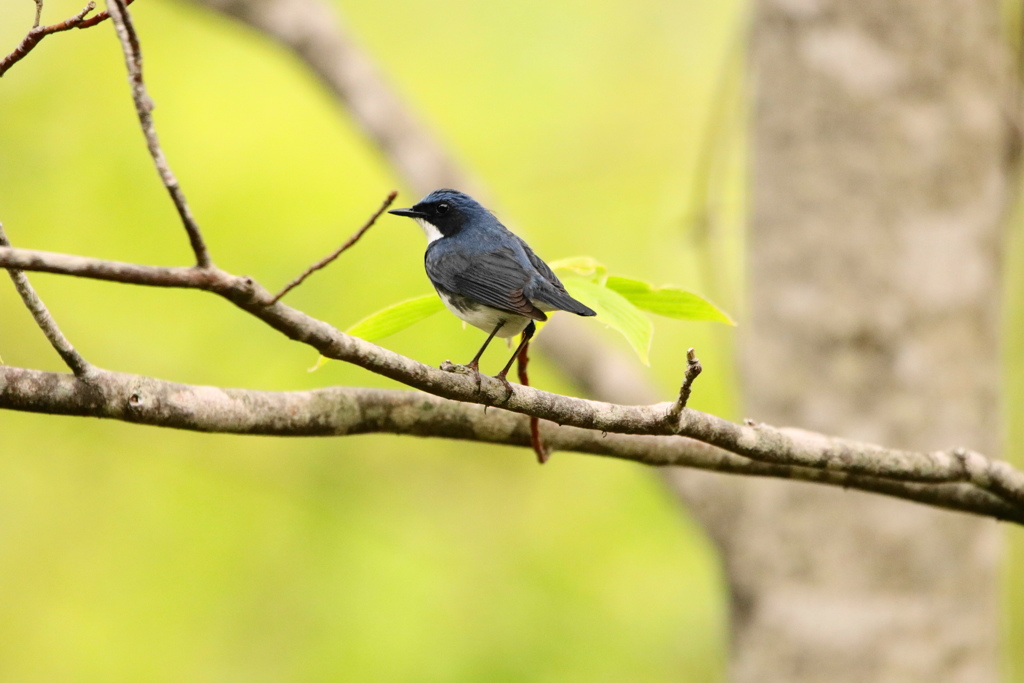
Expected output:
{"points": [[443, 213]]}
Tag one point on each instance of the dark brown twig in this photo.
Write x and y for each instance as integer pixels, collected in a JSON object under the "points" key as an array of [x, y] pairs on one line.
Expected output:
{"points": [[538, 446], [143, 107], [337, 252], [37, 33], [81, 367]]}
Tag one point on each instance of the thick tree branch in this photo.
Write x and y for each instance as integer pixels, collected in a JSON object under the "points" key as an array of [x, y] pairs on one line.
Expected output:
{"points": [[342, 411], [758, 442]]}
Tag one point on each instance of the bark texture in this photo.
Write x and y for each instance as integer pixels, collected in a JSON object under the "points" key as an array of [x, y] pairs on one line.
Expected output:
{"points": [[879, 183]]}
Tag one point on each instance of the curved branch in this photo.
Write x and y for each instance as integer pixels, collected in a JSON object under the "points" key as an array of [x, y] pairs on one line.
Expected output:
{"points": [[762, 443], [344, 411]]}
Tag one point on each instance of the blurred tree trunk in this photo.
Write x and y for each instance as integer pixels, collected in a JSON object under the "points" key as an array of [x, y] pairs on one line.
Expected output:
{"points": [[881, 166], [879, 183]]}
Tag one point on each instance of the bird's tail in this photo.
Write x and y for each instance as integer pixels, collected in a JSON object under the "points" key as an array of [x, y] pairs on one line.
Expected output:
{"points": [[578, 308], [551, 298]]}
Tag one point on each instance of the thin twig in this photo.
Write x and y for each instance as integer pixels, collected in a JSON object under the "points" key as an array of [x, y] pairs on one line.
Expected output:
{"points": [[81, 367], [143, 107], [39, 14], [337, 252], [37, 33], [99, 16]]}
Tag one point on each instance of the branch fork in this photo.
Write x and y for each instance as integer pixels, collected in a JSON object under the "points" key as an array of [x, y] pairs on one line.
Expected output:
{"points": [[37, 32]]}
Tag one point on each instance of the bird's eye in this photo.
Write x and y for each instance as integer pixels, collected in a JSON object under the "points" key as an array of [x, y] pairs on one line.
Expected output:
{"points": [[443, 207]]}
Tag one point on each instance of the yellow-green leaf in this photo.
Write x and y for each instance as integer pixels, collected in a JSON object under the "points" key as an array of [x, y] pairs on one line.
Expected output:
{"points": [[615, 311], [396, 317], [390, 320], [582, 266], [668, 301]]}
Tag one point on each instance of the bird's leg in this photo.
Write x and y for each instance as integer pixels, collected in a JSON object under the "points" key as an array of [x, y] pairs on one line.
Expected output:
{"points": [[527, 335], [474, 364]]}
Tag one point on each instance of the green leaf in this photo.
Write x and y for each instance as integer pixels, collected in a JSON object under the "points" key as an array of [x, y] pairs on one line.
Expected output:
{"points": [[390, 320], [616, 311], [396, 317], [668, 301], [583, 266]]}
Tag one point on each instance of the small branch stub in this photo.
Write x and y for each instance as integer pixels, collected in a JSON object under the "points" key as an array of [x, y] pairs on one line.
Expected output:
{"points": [[693, 369]]}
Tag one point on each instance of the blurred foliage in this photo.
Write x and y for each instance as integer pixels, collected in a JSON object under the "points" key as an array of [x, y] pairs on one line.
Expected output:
{"points": [[131, 553]]}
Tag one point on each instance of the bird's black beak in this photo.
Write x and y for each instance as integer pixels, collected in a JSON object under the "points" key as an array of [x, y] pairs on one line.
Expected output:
{"points": [[408, 213]]}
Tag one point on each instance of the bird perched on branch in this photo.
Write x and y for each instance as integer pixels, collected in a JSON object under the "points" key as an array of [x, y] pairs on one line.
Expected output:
{"points": [[484, 274]]}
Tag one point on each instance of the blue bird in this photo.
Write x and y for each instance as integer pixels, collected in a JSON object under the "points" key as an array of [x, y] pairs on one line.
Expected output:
{"points": [[485, 274]]}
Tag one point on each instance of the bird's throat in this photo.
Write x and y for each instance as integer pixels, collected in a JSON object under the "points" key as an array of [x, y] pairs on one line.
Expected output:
{"points": [[430, 230]]}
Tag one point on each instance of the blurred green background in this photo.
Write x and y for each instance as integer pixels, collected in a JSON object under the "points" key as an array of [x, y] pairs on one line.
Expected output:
{"points": [[131, 553]]}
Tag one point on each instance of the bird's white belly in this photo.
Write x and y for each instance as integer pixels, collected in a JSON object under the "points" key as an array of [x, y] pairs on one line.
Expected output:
{"points": [[487, 318]]}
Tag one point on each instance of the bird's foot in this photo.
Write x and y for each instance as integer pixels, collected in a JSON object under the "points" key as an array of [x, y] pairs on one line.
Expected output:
{"points": [[470, 369], [508, 387]]}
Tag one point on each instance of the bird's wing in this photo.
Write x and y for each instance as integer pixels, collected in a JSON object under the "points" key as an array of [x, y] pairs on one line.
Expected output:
{"points": [[494, 278], [548, 288], [539, 264]]}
